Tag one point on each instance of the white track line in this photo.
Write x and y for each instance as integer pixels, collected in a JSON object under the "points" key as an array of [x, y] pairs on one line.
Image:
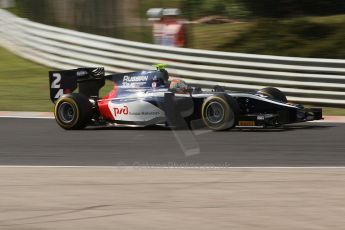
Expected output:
{"points": [[26, 117], [173, 167]]}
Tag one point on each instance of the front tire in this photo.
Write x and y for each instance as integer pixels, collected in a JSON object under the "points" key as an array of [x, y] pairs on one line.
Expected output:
{"points": [[73, 111], [220, 112]]}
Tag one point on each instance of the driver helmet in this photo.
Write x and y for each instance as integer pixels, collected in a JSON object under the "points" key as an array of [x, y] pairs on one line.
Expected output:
{"points": [[178, 86]]}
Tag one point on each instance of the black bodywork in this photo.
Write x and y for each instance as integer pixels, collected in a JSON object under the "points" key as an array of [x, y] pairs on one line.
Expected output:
{"points": [[253, 109]]}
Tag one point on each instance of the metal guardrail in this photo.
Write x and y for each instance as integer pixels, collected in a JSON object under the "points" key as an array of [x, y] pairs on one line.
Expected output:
{"points": [[307, 80]]}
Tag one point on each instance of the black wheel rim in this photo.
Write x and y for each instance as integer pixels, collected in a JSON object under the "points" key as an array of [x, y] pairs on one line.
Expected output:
{"points": [[214, 113], [66, 112]]}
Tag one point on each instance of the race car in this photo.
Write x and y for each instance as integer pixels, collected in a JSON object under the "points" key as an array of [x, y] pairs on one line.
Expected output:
{"points": [[146, 98]]}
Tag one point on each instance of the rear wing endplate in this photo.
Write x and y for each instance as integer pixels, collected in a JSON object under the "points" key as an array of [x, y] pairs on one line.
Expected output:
{"points": [[88, 80]]}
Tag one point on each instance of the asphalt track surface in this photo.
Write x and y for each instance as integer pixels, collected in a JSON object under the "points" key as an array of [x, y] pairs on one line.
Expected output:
{"points": [[42, 142]]}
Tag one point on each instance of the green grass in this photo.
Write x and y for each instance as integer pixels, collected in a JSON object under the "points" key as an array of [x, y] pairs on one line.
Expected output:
{"points": [[24, 85], [320, 37], [333, 111], [210, 36]]}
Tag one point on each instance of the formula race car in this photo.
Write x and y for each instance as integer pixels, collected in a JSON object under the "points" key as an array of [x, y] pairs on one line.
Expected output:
{"points": [[147, 98]]}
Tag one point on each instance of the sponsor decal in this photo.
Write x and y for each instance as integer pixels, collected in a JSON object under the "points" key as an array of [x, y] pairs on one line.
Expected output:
{"points": [[148, 113], [137, 111], [260, 117], [125, 111], [82, 73], [122, 110], [135, 78], [56, 86], [134, 81], [246, 123], [98, 72]]}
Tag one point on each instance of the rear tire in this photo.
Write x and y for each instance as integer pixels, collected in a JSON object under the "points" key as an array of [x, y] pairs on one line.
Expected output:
{"points": [[274, 93], [73, 111], [220, 112]]}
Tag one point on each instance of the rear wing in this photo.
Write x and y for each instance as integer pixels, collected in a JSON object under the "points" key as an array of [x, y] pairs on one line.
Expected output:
{"points": [[88, 80]]}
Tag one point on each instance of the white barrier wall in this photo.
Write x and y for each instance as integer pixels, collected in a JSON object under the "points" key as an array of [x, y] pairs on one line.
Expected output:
{"points": [[306, 80]]}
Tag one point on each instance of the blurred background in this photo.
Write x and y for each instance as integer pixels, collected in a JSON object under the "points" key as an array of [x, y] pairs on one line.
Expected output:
{"points": [[293, 28], [305, 28]]}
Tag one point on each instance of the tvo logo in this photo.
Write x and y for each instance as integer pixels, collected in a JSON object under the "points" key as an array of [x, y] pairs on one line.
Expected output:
{"points": [[121, 110]]}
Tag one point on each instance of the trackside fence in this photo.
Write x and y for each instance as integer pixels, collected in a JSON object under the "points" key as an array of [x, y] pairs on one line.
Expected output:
{"points": [[304, 80]]}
